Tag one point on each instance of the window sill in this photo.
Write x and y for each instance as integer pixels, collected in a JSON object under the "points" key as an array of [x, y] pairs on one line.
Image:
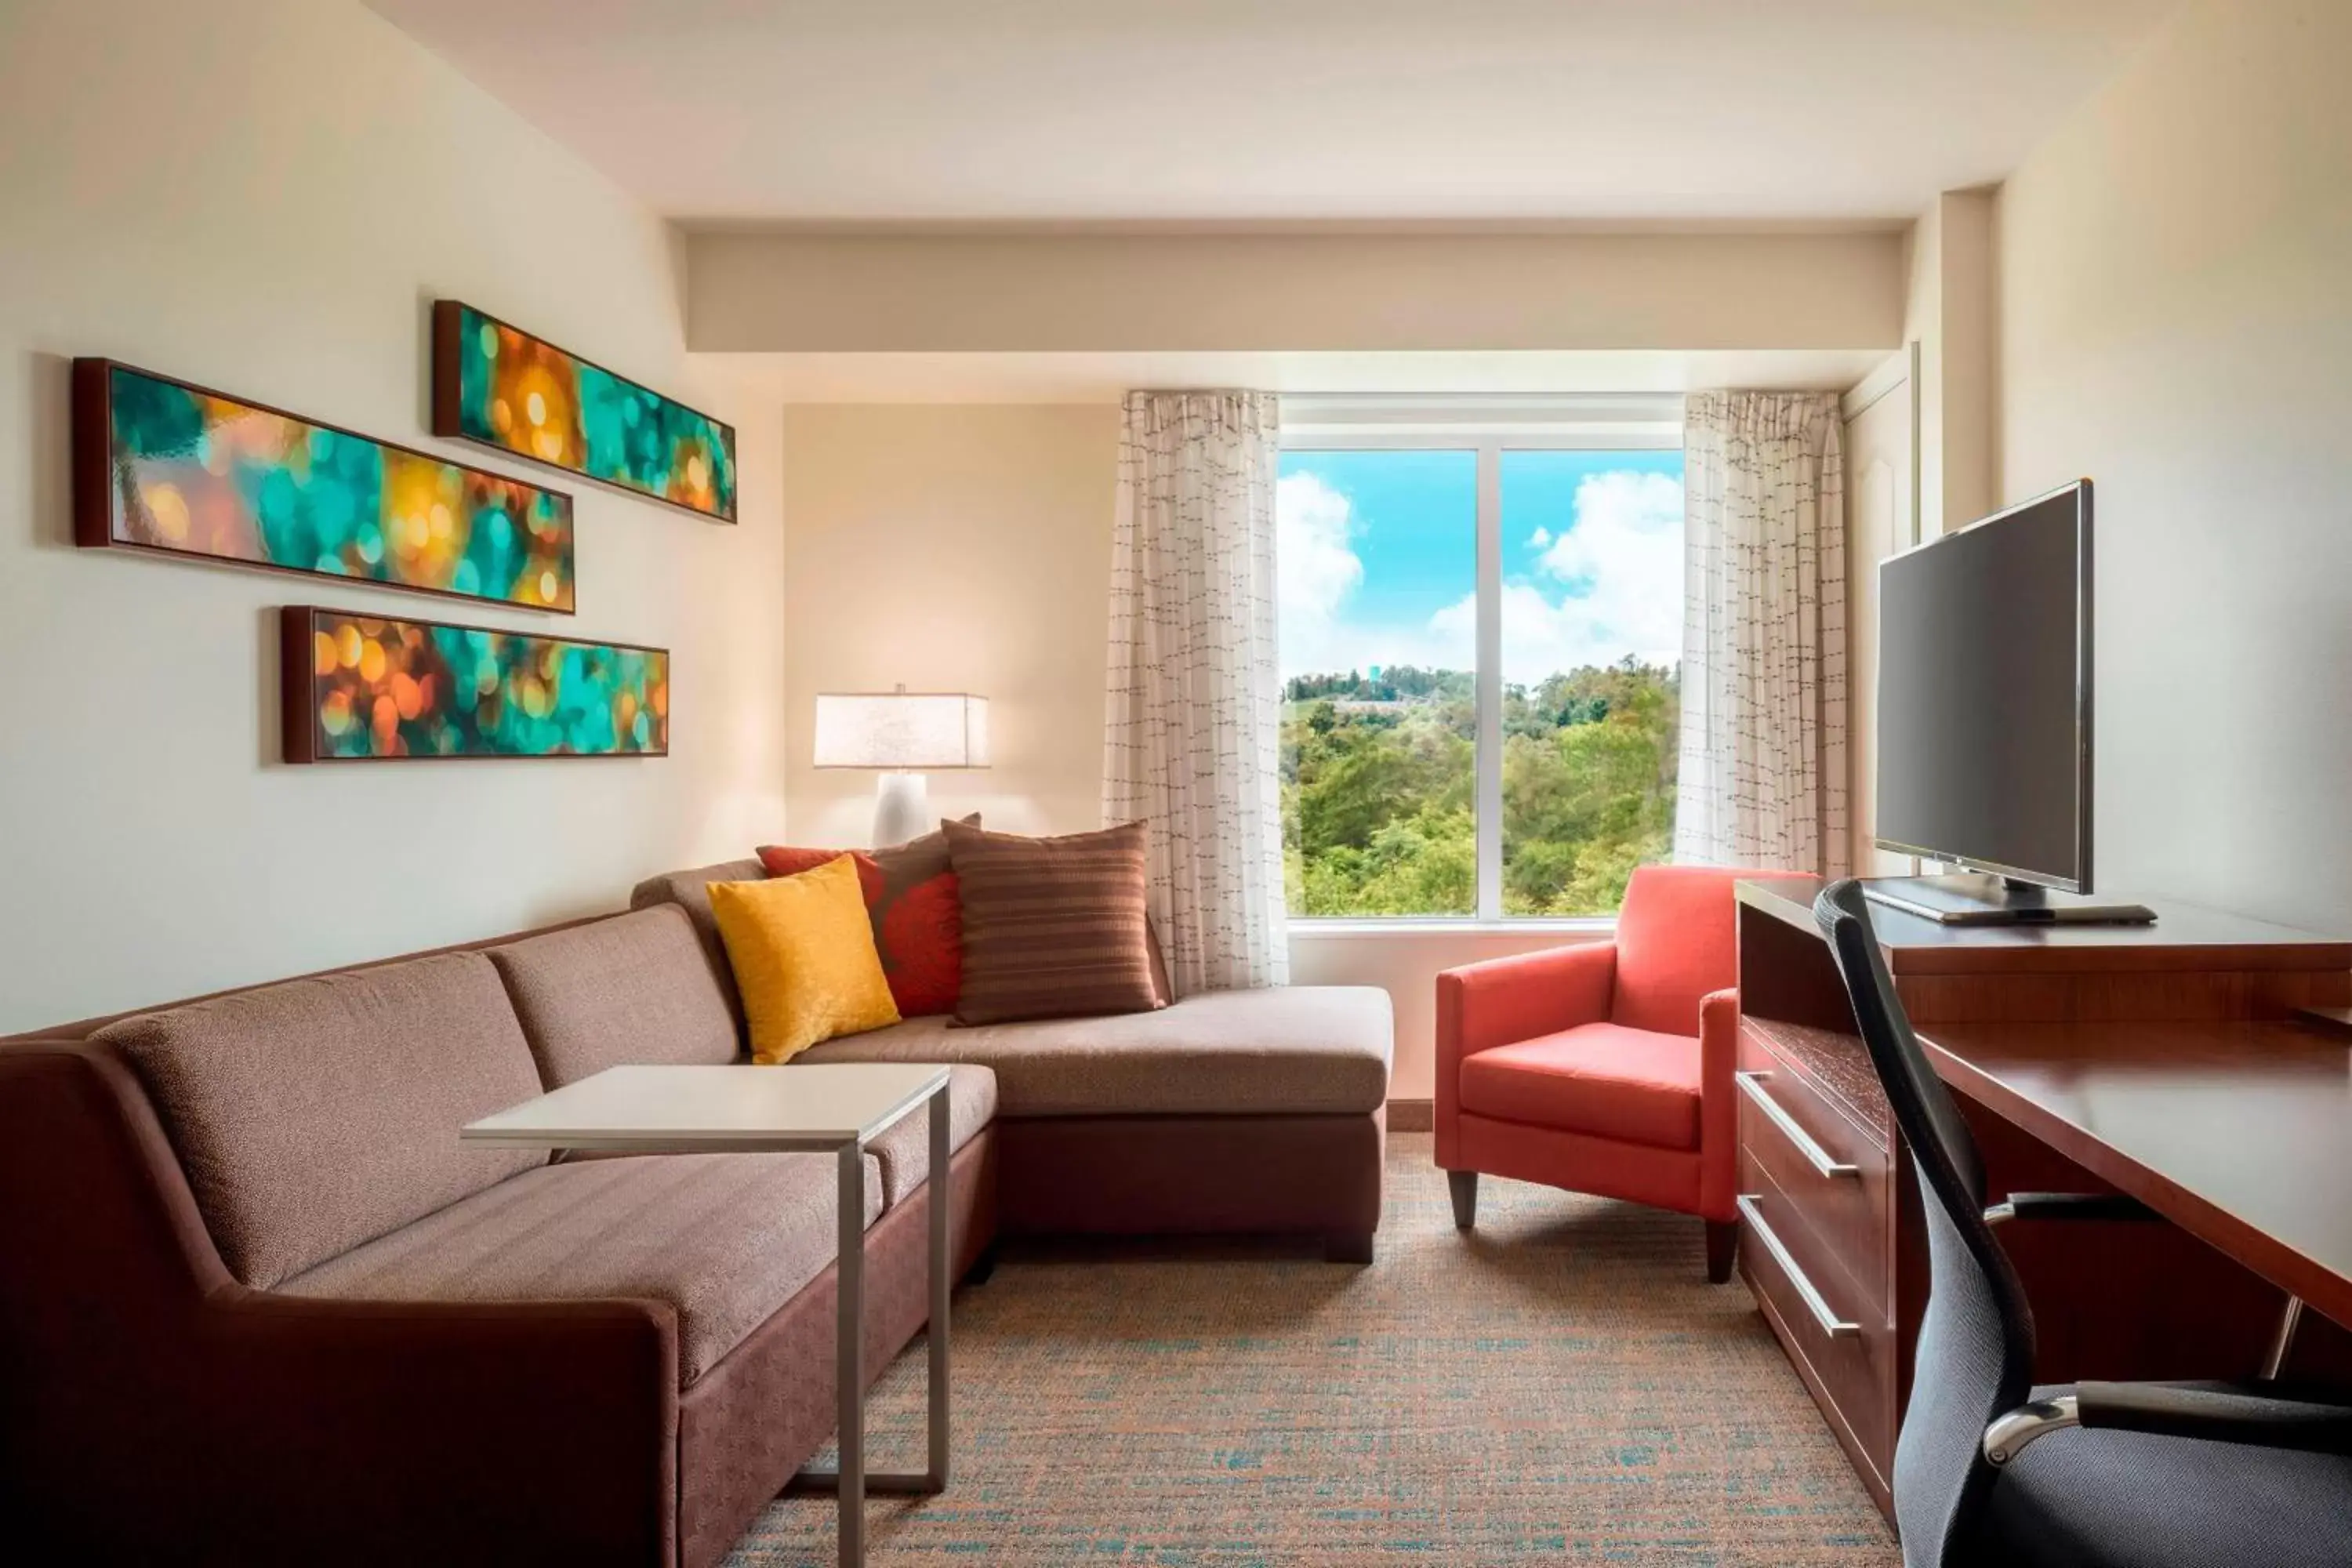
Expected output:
{"points": [[1322, 927]]}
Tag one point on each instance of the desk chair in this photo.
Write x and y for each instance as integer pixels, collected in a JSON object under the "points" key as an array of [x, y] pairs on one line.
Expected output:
{"points": [[1605, 1067], [1990, 1470]]}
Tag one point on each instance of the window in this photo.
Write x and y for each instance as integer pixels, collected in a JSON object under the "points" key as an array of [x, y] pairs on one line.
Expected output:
{"points": [[1377, 557], [1480, 624]]}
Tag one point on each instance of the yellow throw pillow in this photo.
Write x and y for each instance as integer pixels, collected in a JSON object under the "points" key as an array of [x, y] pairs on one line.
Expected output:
{"points": [[803, 954]]}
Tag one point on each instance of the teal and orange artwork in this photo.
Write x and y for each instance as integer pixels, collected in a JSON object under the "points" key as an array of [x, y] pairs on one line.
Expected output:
{"points": [[505, 388], [166, 465], [372, 687]]}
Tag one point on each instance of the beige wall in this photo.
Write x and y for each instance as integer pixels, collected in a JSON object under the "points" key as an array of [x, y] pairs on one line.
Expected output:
{"points": [[262, 196], [1879, 499], [1949, 312], [1248, 292], [952, 548], [968, 547], [2175, 292]]}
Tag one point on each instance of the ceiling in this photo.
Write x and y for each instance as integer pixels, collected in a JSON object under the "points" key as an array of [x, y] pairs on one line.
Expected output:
{"points": [[1014, 377], [1288, 111], [1106, 377]]}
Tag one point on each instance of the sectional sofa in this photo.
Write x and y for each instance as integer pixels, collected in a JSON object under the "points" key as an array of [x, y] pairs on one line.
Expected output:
{"points": [[259, 1305], [1234, 1111]]}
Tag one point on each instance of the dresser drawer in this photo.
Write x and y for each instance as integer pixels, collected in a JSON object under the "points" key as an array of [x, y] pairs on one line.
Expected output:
{"points": [[1843, 1346], [1838, 1203], [1824, 1083]]}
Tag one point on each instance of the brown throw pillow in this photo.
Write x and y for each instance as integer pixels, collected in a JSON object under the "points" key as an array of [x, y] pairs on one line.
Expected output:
{"points": [[1053, 928]]}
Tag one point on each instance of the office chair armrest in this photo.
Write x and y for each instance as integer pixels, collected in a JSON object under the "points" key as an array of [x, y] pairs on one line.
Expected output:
{"points": [[2217, 1414], [2068, 1206], [2214, 1413]]}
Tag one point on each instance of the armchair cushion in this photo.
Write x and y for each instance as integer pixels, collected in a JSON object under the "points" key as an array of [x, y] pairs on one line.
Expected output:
{"points": [[1603, 1080]]}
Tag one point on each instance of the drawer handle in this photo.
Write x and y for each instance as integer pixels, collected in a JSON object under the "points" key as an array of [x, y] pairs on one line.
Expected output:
{"points": [[1751, 1084], [1830, 1323]]}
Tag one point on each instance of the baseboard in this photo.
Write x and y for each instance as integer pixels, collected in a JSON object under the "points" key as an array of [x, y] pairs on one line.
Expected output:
{"points": [[1412, 1115]]}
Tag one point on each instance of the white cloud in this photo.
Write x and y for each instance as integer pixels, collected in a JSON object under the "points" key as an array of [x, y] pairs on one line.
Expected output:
{"points": [[1319, 571], [1313, 526], [1613, 586], [1621, 566], [1544, 635]]}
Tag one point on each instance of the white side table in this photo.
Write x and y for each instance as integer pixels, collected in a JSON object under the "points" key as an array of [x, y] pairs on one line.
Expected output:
{"points": [[832, 1107]]}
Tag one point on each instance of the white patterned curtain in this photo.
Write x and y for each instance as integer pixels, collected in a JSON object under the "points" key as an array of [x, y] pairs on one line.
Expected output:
{"points": [[1763, 769], [1195, 694]]}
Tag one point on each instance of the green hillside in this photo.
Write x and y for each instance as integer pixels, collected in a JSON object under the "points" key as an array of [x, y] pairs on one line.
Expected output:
{"points": [[1377, 787]]}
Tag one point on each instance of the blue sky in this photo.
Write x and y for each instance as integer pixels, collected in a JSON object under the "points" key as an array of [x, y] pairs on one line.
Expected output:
{"points": [[1378, 559]]}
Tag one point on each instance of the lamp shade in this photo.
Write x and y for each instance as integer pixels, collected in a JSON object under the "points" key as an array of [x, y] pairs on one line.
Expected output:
{"points": [[901, 730]]}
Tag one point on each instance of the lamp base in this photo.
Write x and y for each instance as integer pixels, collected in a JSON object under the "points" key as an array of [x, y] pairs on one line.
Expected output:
{"points": [[902, 808]]}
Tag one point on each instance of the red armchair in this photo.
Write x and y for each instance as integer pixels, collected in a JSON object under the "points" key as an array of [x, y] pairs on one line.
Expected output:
{"points": [[1604, 1068]]}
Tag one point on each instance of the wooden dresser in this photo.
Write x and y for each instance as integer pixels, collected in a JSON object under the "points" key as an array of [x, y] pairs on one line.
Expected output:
{"points": [[1830, 1224]]}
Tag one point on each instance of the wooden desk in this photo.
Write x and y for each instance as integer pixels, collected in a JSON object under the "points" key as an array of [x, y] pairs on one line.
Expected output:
{"points": [[2239, 1134], [2151, 1060]]}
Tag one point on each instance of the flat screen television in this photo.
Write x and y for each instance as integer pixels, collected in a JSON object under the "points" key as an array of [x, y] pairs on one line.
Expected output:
{"points": [[1984, 716]]}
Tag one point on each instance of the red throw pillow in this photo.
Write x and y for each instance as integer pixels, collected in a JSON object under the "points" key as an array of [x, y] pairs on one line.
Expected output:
{"points": [[910, 896]]}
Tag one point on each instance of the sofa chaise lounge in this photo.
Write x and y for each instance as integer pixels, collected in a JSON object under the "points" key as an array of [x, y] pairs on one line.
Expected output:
{"points": [[1232, 1111], [259, 1305]]}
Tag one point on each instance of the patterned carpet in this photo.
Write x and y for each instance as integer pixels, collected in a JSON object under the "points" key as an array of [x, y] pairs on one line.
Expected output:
{"points": [[1561, 1386]]}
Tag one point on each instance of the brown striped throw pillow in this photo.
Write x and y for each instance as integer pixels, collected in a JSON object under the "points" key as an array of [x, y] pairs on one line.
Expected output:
{"points": [[1053, 928]]}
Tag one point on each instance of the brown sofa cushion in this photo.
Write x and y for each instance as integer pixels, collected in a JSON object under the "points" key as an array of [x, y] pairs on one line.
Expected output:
{"points": [[635, 988], [1053, 928], [1296, 1049], [905, 1149], [318, 1114], [691, 891], [726, 1239]]}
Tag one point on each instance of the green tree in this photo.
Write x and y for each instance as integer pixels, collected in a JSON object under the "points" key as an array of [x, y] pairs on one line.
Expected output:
{"points": [[1379, 783]]}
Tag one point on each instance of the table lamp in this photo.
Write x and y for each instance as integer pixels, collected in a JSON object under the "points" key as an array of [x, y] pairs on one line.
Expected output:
{"points": [[901, 732]]}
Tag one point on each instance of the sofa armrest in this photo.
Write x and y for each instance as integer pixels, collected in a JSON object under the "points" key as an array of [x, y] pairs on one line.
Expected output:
{"points": [[1718, 1104], [1482, 1005], [297, 1430], [552, 1425]]}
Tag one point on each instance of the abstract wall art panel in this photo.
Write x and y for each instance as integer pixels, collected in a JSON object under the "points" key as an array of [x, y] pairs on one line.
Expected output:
{"points": [[167, 466], [499, 386], [368, 688]]}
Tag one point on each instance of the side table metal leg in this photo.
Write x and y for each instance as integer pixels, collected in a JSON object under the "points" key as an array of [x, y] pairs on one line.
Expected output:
{"points": [[942, 1270], [851, 1482], [849, 1364]]}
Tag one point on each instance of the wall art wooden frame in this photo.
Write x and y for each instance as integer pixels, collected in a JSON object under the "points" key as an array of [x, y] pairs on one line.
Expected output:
{"points": [[167, 467], [513, 392], [361, 687]]}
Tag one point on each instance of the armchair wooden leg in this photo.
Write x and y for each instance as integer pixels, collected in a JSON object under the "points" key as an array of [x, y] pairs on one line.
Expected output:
{"points": [[1464, 1186], [1722, 1241]]}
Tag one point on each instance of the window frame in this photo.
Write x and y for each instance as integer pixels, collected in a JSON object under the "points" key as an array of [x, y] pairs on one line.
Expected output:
{"points": [[1490, 427]]}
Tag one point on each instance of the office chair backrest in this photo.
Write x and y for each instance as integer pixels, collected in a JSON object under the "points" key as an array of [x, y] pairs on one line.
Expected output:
{"points": [[1976, 1342]]}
